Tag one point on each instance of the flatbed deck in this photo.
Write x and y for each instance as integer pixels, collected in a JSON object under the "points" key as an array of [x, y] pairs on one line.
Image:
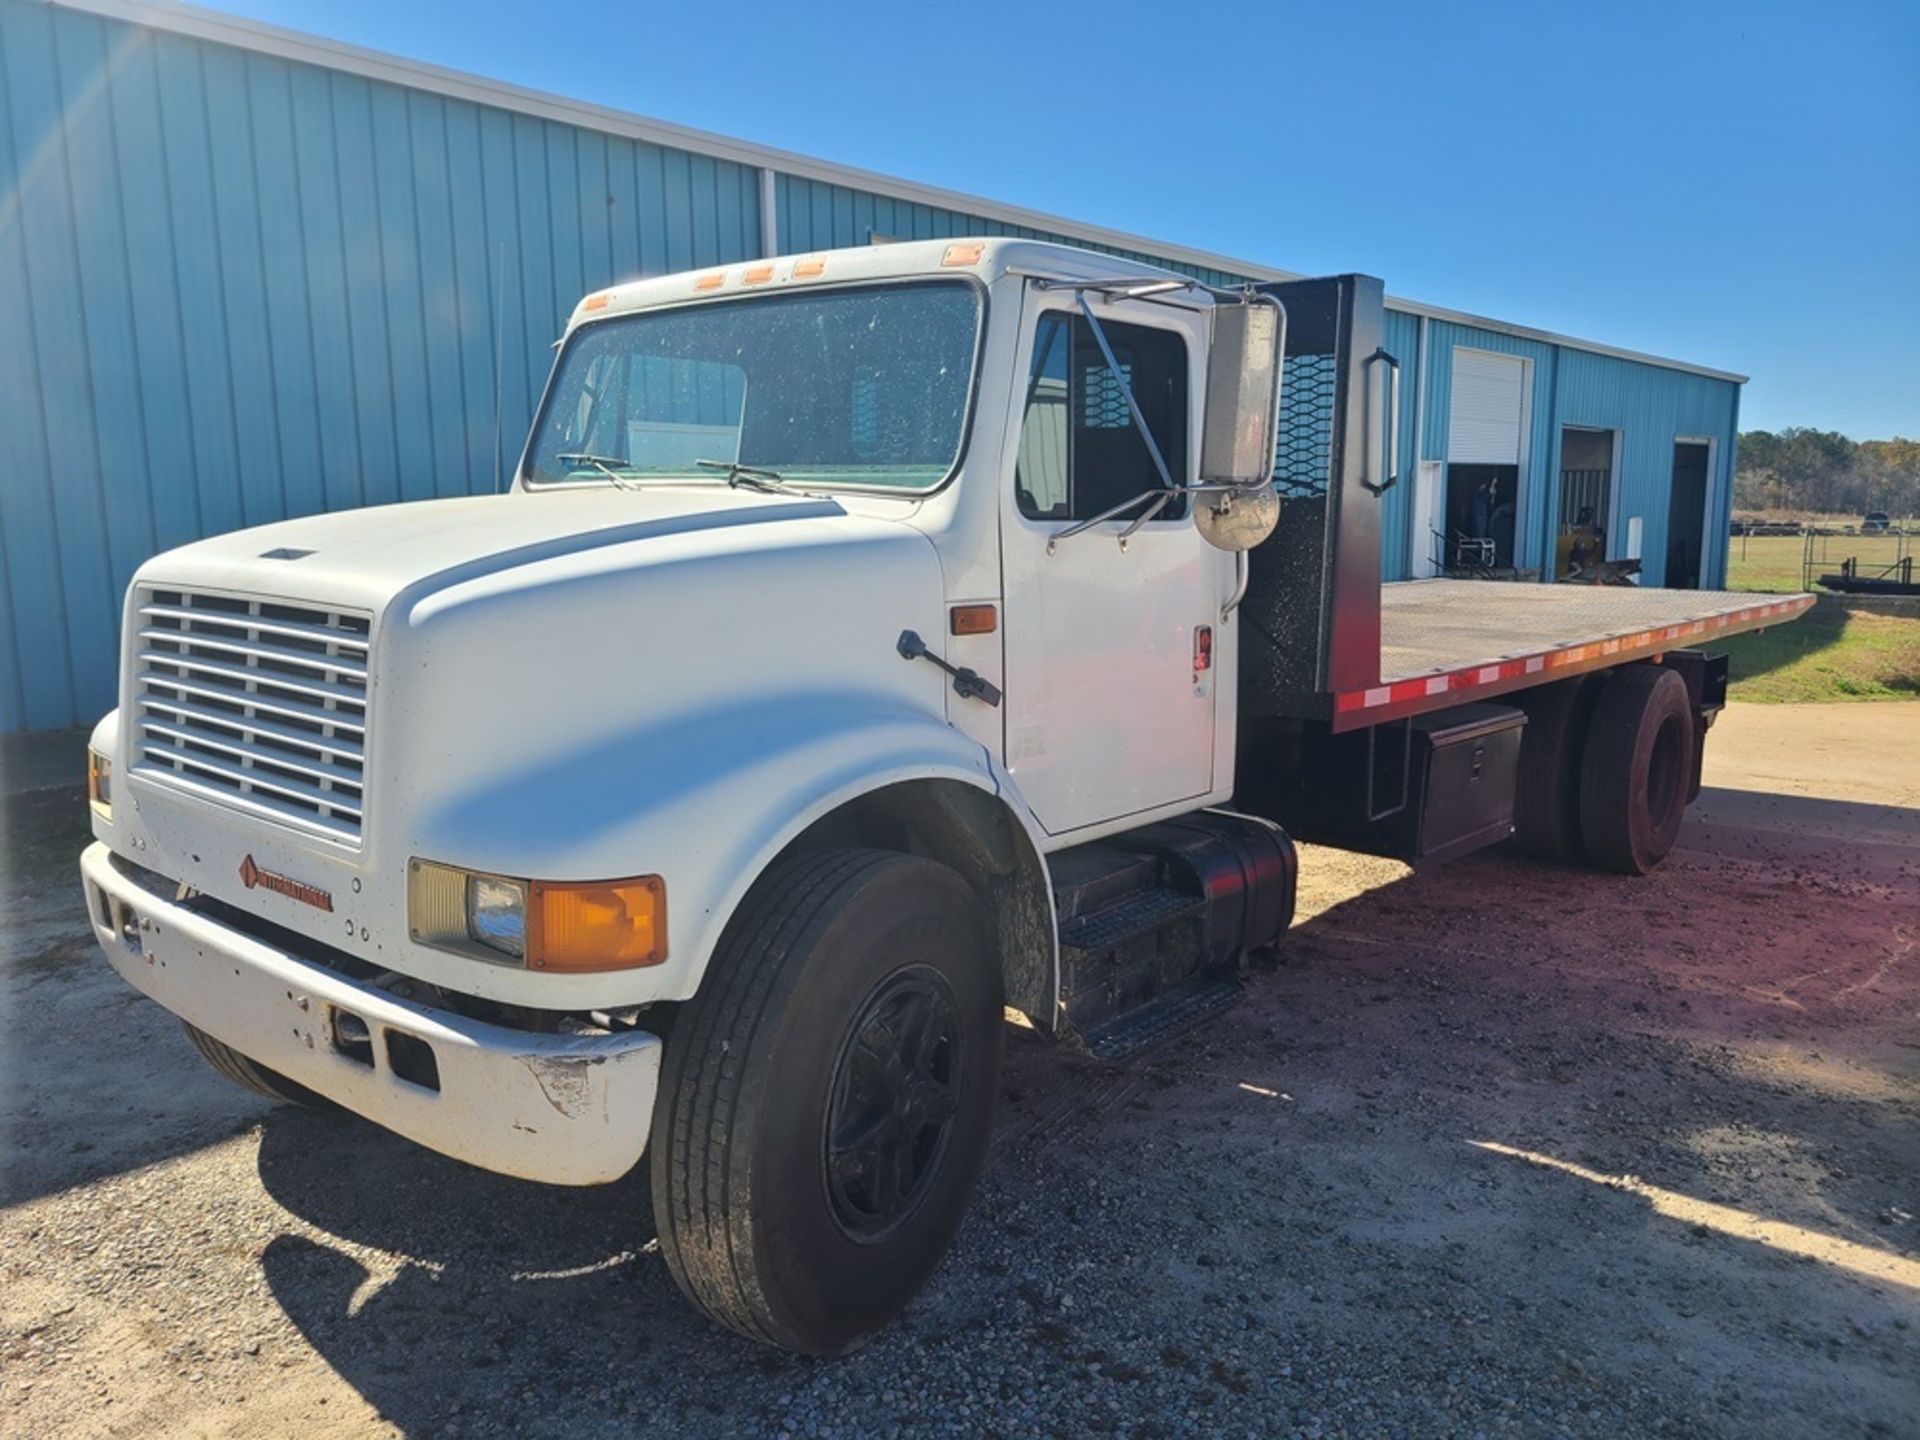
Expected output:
{"points": [[1446, 642]]}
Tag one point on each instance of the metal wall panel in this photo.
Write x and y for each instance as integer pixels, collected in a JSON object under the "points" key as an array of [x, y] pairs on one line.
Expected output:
{"points": [[1437, 406], [1651, 408], [235, 288], [1648, 404]]}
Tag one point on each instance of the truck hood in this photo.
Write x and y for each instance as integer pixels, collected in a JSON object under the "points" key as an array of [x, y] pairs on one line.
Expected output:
{"points": [[363, 558]]}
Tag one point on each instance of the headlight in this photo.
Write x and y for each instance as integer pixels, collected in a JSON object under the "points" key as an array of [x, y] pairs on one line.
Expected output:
{"points": [[542, 924], [100, 781], [497, 914]]}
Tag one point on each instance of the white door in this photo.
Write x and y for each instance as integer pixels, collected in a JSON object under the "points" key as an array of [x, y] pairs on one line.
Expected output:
{"points": [[1109, 711], [1428, 521]]}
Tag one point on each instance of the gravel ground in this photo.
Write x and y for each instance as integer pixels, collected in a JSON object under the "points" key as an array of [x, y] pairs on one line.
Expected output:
{"points": [[1497, 1149]]}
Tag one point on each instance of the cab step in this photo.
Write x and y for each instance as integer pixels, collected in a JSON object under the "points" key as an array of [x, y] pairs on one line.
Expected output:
{"points": [[1155, 924], [1174, 1012], [1135, 915]]}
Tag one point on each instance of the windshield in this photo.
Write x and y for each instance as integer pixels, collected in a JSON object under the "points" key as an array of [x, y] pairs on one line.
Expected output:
{"points": [[849, 387]]}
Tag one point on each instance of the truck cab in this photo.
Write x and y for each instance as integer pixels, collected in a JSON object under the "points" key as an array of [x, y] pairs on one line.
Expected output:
{"points": [[866, 644]]}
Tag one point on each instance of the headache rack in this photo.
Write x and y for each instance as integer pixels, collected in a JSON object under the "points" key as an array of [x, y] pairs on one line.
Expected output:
{"points": [[1324, 641]]}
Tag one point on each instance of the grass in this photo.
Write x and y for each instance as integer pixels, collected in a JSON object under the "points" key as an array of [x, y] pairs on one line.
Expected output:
{"points": [[1845, 648], [1842, 649], [1772, 562]]}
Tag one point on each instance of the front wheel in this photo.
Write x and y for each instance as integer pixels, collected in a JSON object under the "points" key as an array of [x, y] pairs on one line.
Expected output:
{"points": [[250, 1074], [826, 1099]]}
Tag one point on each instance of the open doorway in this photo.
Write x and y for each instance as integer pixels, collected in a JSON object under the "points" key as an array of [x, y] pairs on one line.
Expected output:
{"points": [[1586, 500], [1687, 514], [1482, 501]]}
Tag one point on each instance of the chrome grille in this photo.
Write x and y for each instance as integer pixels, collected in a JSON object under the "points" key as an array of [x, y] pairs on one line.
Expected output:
{"points": [[260, 703]]}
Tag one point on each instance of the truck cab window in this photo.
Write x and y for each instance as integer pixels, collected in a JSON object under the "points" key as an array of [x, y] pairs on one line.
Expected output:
{"points": [[1079, 452], [862, 387]]}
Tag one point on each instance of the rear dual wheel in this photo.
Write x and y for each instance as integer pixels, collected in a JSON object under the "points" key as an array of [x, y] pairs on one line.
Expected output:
{"points": [[1606, 768], [1637, 769], [1546, 798], [826, 1099]]}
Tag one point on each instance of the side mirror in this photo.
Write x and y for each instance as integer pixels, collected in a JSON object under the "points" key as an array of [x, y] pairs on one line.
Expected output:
{"points": [[1243, 392], [1236, 508]]}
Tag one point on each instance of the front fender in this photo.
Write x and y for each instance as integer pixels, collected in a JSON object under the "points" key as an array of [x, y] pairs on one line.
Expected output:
{"points": [[705, 798]]}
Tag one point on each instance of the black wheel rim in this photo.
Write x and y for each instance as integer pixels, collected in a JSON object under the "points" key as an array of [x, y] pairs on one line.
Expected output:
{"points": [[896, 1089]]}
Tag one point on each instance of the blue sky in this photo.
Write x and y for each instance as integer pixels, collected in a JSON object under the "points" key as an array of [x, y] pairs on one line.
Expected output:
{"points": [[1736, 184]]}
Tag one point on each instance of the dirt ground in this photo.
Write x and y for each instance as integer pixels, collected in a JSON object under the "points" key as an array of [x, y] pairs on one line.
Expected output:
{"points": [[1497, 1148]]}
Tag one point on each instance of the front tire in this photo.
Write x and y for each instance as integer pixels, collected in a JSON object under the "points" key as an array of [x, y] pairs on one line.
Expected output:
{"points": [[826, 1099], [249, 1074]]}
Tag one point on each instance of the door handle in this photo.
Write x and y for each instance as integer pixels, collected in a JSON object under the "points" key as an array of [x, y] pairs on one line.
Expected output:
{"points": [[1389, 463], [967, 684]]}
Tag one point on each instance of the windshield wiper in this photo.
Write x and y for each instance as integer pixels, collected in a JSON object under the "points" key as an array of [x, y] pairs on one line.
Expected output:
{"points": [[753, 476], [603, 463]]}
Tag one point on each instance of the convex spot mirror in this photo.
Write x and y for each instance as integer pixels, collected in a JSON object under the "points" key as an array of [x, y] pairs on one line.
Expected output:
{"points": [[1236, 519]]}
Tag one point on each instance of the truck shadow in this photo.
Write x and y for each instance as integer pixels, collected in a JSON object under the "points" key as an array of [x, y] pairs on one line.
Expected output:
{"points": [[1418, 1132], [76, 1106], [452, 1298]]}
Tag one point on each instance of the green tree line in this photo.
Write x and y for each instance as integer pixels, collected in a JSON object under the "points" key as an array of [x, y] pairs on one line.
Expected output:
{"points": [[1822, 471]]}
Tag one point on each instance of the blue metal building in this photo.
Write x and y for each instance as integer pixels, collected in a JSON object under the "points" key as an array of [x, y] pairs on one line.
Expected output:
{"points": [[247, 274]]}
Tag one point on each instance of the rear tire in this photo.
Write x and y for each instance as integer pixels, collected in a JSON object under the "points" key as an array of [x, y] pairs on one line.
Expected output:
{"points": [[1637, 768], [826, 1099], [250, 1074], [1546, 797]]}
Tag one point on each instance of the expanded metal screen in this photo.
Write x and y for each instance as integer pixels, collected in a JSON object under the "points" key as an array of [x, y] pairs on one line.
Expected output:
{"points": [[1303, 452]]}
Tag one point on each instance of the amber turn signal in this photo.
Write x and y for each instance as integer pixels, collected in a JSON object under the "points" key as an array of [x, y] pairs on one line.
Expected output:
{"points": [[972, 620], [602, 925]]}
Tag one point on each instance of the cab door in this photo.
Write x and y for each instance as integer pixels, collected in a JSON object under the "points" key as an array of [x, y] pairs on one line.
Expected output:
{"points": [[1108, 632]]}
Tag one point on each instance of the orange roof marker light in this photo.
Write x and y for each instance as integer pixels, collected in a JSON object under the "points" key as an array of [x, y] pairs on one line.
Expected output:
{"points": [[808, 268], [964, 254], [711, 282], [597, 301], [759, 275]]}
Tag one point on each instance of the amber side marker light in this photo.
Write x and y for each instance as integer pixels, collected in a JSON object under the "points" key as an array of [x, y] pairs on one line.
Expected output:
{"points": [[963, 254], [603, 925], [808, 268], [596, 302], [711, 282], [972, 620], [759, 275]]}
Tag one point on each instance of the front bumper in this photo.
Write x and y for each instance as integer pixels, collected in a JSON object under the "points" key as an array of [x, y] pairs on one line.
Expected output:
{"points": [[568, 1110]]}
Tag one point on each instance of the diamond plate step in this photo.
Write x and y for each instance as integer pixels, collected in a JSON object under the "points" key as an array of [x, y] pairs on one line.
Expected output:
{"points": [[1137, 915], [1164, 1017]]}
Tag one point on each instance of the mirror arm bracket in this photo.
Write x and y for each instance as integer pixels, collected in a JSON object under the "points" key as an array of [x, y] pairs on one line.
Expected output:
{"points": [[1126, 390]]}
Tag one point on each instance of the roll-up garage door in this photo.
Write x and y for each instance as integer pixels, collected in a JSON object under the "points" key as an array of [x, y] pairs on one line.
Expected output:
{"points": [[1488, 405]]}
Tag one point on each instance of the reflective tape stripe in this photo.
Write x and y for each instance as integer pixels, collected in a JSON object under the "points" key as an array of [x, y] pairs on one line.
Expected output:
{"points": [[1653, 641]]}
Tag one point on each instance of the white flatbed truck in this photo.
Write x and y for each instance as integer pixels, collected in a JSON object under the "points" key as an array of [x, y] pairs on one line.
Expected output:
{"points": [[869, 642]]}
